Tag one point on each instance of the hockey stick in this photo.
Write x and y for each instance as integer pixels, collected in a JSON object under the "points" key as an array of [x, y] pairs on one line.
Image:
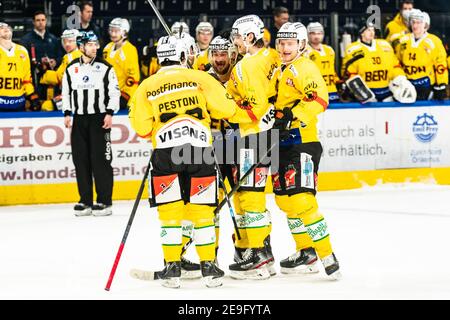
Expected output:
{"points": [[227, 198], [242, 180], [146, 275], [127, 229], [160, 17], [252, 168]]}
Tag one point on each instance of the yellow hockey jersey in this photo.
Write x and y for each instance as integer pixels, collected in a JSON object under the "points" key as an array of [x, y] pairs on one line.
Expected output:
{"points": [[424, 60], [202, 61], [301, 84], [174, 107], [325, 59], [54, 77], [376, 64], [15, 78], [252, 85], [395, 30], [126, 64]]}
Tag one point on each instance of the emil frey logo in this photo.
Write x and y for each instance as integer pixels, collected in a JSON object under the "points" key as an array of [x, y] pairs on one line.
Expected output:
{"points": [[425, 128]]}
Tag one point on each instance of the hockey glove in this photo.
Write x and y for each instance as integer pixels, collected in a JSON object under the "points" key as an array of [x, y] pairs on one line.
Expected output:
{"points": [[283, 120], [35, 104], [440, 92]]}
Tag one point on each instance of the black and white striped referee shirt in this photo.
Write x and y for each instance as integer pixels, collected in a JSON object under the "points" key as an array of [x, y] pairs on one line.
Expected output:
{"points": [[90, 88]]}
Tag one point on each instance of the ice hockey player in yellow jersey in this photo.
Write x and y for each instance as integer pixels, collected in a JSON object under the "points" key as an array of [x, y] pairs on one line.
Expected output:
{"points": [[15, 75], [302, 96], [123, 56], [204, 33], [273, 52], [252, 85], [399, 26], [173, 109], [324, 57], [375, 62], [54, 77], [423, 57]]}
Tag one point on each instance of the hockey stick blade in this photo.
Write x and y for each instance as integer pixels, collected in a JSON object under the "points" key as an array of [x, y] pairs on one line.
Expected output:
{"points": [[144, 275]]}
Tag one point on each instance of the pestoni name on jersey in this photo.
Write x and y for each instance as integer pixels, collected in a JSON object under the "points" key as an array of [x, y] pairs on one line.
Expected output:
{"points": [[171, 87], [287, 35]]}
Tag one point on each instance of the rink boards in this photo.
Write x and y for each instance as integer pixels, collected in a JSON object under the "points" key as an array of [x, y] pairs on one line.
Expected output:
{"points": [[363, 145]]}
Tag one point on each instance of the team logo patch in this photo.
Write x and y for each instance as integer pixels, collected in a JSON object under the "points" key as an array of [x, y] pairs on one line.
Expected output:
{"points": [[307, 176], [440, 69], [261, 177], [234, 173], [130, 82], [276, 183], [203, 190], [166, 189], [246, 162], [289, 177], [310, 96], [85, 79]]}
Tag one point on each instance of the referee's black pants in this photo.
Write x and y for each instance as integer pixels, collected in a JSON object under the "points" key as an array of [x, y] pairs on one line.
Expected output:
{"points": [[92, 156]]}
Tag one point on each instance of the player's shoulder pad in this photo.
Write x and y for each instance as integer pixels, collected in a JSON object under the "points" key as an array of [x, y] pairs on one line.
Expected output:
{"points": [[238, 70], [353, 47], [386, 46], [436, 40], [304, 64], [108, 46], [328, 49], [22, 49], [405, 38]]}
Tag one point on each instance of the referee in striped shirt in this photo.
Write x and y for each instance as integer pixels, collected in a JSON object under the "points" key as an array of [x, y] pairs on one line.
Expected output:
{"points": [[90, 93]]}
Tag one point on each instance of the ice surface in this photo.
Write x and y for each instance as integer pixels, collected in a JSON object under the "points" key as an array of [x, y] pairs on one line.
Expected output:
{"points": [[392, 242]]}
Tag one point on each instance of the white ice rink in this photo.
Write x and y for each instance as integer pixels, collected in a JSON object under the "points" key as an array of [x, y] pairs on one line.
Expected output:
{"points": [[392, 242]]}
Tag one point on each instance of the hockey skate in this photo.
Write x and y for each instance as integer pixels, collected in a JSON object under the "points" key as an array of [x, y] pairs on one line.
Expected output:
{"points": [[189, 269], [212, 275], [271, 264], [101, 210], [253, 265], [171, 275], [301, 262], [82, 210], [331, 265]]}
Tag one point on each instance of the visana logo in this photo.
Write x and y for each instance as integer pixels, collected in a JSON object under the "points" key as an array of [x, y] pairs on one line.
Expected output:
{"points": [[295, 224], [250, 219], [183, 132], [425, 128], [318, 230], [163, 233]]}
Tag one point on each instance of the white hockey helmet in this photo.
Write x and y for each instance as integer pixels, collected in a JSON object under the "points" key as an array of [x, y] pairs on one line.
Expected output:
{"points": [[70, 34], [179, 25], [416, 15], [5, 25], [171, 48], [204, 26], [315, 27], [427, 20], [248, 24], [294, 30], [223, 44], [190, 45], [121, 24]]}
